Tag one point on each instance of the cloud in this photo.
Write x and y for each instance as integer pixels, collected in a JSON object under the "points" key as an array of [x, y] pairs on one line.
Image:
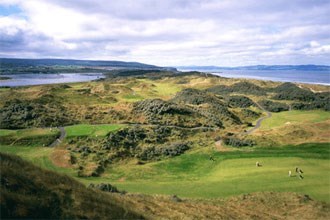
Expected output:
{"points": [[174, 32]]}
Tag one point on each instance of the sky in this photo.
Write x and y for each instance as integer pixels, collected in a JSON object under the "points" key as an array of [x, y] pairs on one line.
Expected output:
{"points": [[169, 33]]}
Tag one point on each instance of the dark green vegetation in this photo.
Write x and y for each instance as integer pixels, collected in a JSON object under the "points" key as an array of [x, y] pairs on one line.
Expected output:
{"points": [[240, 102], [45, 111], [308, 100], [30, 192], [274, 106], [241, 87]]}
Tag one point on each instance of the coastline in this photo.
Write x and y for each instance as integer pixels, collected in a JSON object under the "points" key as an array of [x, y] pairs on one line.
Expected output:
{"points": [[267, 79]]}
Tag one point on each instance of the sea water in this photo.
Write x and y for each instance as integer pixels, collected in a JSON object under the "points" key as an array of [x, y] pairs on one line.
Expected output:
{"points": [[40, 79], [311, 77]]}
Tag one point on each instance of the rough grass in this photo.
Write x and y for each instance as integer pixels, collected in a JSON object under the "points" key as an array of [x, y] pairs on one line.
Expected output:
{"points": [[91, 130], [296, 116]]}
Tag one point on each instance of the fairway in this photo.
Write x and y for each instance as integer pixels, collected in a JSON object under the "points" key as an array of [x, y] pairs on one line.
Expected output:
{"points": [[232, 173], [294, 117], [91, 130], [239, 176]]}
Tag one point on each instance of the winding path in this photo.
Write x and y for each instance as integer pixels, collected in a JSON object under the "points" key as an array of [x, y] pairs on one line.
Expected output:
{"points": [[258, 124], [60, 138]]}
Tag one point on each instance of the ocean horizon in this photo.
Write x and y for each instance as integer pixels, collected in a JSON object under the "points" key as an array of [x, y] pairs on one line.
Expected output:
{"points": [[297, 76]]}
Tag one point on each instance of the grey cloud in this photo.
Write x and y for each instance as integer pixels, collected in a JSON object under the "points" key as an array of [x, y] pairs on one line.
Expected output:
{"points": [[181, 32]]}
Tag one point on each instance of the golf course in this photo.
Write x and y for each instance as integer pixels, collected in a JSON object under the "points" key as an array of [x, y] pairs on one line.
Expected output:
{"points": [[138, 135]]}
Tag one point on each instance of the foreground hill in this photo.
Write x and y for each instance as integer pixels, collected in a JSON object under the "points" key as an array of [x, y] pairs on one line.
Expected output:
{"points": [[30, 192]]}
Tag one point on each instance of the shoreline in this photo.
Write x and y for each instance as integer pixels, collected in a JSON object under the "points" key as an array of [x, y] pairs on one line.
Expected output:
{"points": [[245, 77]]}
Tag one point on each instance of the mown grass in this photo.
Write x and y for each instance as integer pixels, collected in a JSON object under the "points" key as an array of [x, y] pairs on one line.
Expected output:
{"points": [[30, 132], [91, 130], [195, 175], [232, 173], [29, 137], [39, 156], [6, 132], [296, 116]]}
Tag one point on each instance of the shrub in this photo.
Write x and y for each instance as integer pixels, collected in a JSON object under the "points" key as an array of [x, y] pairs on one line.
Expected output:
{"points": [[236, 142], [171, 150], [240, 101], [274, 106]]}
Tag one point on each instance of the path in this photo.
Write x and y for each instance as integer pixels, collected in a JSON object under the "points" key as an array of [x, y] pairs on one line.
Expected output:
{"points": [[60, 138], [220, 147], [258, 124]]}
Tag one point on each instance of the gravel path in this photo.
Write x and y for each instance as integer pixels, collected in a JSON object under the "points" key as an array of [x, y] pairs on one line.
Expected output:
{"points": [[60, 138]]}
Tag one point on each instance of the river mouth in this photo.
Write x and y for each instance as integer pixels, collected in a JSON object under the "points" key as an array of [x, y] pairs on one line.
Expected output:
{"points": [[29, 79]]}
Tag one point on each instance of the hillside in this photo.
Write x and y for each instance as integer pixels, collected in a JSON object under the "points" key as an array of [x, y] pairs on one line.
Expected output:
{"points": [[14, 66], [30, 192]]}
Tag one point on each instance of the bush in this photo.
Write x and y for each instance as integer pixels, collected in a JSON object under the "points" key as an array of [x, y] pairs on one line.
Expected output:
{"points": [[172, 150], [241, 87], [240, 101], [274, 106], [289, 91], [236, 142], [104, 187]]}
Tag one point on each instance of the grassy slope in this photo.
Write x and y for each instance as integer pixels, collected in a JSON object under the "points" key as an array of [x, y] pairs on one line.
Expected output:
{"points": [[30, 192], [294, 127], [298, 117]]}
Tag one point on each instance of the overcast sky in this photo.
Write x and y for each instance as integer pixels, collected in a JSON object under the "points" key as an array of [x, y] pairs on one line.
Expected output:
{"points": [[168, 33]]}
